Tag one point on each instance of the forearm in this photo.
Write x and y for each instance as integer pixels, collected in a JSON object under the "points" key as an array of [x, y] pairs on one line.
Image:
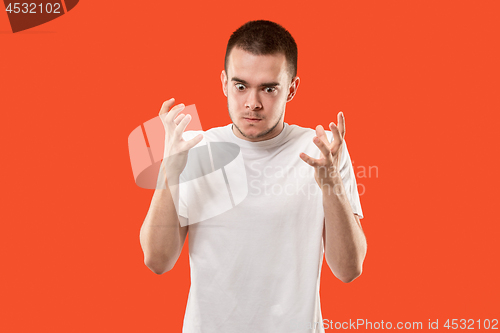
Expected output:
{"points": [[161, 235], [345, 242]]}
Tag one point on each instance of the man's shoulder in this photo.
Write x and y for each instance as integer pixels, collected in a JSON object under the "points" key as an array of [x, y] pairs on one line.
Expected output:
{"points": [[210, 132], [219, 130], [299, 131], [296, 129], [214, 134]]}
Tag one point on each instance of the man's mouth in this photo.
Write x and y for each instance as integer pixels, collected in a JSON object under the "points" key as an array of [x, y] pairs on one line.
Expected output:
{"points": [[252, 120]]}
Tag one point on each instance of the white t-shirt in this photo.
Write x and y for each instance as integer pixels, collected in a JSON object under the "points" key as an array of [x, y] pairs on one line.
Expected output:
{"points": [[256, 262]]}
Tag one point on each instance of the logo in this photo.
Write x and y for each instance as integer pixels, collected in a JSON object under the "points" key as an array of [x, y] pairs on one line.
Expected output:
{"points": [[213, 180], [26, 15]]}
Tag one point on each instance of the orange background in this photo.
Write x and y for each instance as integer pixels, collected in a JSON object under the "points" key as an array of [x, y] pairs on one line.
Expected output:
{"points": [[418, 82]]}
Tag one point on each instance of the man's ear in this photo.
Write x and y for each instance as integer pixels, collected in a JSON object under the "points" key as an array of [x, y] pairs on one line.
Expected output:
{"points": [[223, 79], [294, 85]]}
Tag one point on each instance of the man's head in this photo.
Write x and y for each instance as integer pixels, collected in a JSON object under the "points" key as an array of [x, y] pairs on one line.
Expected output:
{"points": [[259, 78]]}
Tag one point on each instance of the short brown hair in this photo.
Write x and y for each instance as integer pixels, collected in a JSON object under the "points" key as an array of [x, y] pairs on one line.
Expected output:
{"points": [[262, 38]]}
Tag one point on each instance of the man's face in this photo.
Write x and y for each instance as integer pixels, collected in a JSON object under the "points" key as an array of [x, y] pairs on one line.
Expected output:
{"points": [[257, 89]]}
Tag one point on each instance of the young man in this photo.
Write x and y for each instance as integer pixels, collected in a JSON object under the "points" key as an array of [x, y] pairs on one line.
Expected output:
{"points": [[256, 266]]}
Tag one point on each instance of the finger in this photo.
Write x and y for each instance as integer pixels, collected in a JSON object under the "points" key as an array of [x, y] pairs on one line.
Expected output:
{"points": [[172, 114], [309, 160], [193, 142], [337, 140], [325, 149], [179, 118], [341, 124], [182, 125], [320, 133], [166, 105]]}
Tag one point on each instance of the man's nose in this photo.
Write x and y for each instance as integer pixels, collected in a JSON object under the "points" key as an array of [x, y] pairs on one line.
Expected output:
{"points": [[253, 102]]}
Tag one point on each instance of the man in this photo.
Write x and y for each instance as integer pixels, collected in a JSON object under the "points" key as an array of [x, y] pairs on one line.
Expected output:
{"points": [[256, 267]]}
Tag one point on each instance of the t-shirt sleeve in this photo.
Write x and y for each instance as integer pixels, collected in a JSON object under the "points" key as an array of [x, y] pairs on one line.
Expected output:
{"points": [[349, 179]]}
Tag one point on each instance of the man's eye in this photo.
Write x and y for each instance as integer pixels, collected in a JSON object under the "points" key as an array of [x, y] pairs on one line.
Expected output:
{"points": [[239, 86], [270, 89]]}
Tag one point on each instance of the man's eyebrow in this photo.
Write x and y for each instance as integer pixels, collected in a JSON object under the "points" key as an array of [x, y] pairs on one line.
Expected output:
{"points": [[266, 84]]}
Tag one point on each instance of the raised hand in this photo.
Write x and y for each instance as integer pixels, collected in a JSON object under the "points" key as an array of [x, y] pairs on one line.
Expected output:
{"points": [[176, 148], [327, 167]]}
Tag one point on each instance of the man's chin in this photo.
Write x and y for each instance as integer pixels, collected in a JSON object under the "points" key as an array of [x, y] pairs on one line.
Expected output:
{"points": [[251, 132]]}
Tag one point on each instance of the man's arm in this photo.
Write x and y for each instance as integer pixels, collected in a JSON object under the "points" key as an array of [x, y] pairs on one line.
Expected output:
{"points": [[161, 235], [345, 242]]}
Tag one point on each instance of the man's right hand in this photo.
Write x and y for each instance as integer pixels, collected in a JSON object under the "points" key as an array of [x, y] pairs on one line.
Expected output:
{"points": [[176, 148]]}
